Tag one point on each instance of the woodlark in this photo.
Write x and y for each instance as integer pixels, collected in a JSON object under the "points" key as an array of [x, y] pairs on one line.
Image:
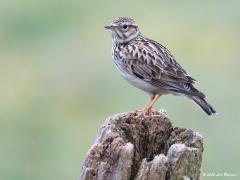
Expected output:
{"points": [[150, 66]]}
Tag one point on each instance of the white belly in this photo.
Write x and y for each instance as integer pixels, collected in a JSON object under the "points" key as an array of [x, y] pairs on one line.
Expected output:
{"points": [[138, 83]]}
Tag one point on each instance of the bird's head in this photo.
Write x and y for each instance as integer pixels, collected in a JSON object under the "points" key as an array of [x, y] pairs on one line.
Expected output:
{"points": [[123, 29]]}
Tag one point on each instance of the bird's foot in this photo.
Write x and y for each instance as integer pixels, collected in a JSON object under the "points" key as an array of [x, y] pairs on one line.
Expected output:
{"points": [[144, 112], [149, 111]]}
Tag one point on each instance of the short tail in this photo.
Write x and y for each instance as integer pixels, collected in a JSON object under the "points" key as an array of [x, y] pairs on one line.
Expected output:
{"points": [[204, 105]]}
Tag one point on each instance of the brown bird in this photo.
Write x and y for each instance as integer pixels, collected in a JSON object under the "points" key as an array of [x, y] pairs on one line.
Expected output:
{"points": [[150, 66]]}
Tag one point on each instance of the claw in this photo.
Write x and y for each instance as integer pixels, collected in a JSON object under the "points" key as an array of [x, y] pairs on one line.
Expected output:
{"points": [[144, 112], [148, 109]]}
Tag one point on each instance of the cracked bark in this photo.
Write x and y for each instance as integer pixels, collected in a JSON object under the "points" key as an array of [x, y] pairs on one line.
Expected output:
{"points": [[150, 149]]}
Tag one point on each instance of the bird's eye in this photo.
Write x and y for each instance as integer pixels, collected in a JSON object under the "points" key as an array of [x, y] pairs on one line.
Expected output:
{"points": [[125, 26]]}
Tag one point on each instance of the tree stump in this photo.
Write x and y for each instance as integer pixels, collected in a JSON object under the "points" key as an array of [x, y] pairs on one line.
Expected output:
{"points": [[147, 149]]}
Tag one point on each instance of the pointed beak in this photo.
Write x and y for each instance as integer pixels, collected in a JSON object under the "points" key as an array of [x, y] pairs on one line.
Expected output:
{"points": [[110, 27], [107, 27]]}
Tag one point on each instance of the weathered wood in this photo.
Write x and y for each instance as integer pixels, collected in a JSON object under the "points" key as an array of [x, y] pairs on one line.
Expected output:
{"points": [[148, 149]]}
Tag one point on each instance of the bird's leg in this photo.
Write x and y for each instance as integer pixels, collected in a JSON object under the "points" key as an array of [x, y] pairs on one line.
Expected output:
{"points": [[151, 98], [149, 105]]}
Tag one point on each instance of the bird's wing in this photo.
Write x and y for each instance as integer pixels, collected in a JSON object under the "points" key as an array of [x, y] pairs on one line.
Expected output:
{"points": [[154, 64]]}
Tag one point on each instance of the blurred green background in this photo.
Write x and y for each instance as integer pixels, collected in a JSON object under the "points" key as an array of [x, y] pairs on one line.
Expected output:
{"points": [[58, 82]]}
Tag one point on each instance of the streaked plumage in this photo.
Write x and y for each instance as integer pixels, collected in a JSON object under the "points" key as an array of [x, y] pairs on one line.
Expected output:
{"points": [[150, 66]]}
